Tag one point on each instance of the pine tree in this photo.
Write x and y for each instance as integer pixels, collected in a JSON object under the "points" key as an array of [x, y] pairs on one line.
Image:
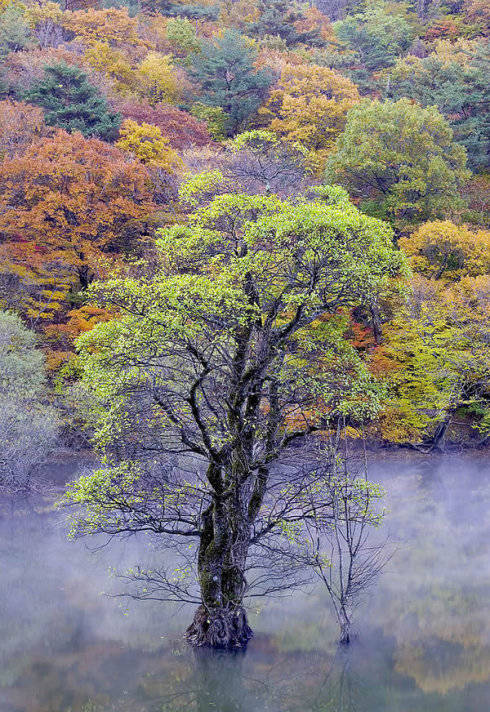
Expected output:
{"points": [[225, 70], [72, 103], [278, 19]]}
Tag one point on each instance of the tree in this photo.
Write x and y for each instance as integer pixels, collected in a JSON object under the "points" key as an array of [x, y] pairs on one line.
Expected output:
{"points": [[260, 161], [309, 105], [443, 250], [435, 360], [229, 355], [279, 19], [112, 25], [458, 91], [28, 424], [146, 143], [158, 79], [225, 71], [182, 36], [378, 37], [181, 129], [337, 9], [111, 61], [20, 125], [14, 30], [72, 103], [65, 207], [46, 22], [343, 556], [400, 160]]}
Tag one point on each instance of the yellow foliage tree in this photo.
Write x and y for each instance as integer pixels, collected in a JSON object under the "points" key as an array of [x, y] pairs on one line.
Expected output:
{"points": [[309, 105], [157, 78], [38, 14], [147, 143], [435, 360], [112, 62], [443, 250]]}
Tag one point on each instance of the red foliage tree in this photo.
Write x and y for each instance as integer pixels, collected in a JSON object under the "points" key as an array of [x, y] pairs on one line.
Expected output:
{"points": [[182, 129]]}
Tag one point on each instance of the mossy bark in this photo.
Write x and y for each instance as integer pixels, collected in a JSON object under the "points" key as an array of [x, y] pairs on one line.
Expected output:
{"points": [[221, 621]]}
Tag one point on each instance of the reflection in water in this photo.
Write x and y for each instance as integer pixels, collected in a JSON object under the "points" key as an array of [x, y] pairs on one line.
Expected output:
{"points": [[424, 635]]}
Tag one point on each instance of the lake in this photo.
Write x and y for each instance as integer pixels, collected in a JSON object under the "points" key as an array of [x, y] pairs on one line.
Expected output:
{"points": [[422, 633]]}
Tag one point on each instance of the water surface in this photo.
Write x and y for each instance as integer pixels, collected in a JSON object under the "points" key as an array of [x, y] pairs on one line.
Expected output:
{"points": [[423, 633]]}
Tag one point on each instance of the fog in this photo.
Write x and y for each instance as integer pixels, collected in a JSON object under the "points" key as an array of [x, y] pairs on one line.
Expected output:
{"points": [[423, 633]]}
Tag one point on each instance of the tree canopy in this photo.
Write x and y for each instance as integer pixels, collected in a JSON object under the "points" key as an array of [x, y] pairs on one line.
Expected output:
{"points": [[400, 160], [231, 353], [228, 78]]}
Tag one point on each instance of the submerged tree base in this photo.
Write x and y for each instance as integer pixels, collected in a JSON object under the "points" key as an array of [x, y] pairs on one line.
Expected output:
{"points": [[220, 628]]}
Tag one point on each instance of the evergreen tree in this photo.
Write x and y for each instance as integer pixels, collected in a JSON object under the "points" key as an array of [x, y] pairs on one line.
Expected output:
{"points": [[225, 70], [72, 103], [459, 92], [278, 18]]}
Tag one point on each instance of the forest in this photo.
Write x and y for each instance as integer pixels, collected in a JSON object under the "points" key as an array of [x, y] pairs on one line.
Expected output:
{"points": [[244, 248]]}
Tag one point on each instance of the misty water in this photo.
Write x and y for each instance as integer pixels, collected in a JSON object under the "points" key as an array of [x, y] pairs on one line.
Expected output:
{"points": [[423, 633]]}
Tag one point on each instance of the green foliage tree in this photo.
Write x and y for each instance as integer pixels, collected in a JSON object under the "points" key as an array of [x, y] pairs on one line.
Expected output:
{"points": [[400, 160], [27, 423], [378, 37], [231, 353], [459, 92], [15, 33], [72, 103], [228, 79]]}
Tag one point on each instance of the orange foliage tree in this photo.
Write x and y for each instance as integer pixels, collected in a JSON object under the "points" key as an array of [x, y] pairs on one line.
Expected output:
{"points": [[68, 206], [20, 125], [112, 25]]}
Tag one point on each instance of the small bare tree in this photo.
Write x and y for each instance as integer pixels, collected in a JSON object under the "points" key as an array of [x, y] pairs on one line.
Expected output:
{"points": [[340, 549]]}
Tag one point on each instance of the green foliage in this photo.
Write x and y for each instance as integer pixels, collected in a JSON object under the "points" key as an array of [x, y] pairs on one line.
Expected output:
{"points": [[201, 300], [401, 159], [72, 103], [215, 118], [181, 34], [277, 19], [460, 93], [15, 33], [377, 37], [228, 79], [437, 361]]}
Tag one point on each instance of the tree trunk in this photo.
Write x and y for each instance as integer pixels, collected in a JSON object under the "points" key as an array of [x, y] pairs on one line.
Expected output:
{"points": [[221, 621], [376, 324], [344, 623]]}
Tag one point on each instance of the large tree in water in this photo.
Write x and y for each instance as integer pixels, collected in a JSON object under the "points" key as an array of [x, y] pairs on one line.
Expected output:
{"points": [[217, 365]]}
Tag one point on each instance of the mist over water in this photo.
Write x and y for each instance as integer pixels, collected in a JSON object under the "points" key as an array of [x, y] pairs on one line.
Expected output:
{"points": [[423, 633]]}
